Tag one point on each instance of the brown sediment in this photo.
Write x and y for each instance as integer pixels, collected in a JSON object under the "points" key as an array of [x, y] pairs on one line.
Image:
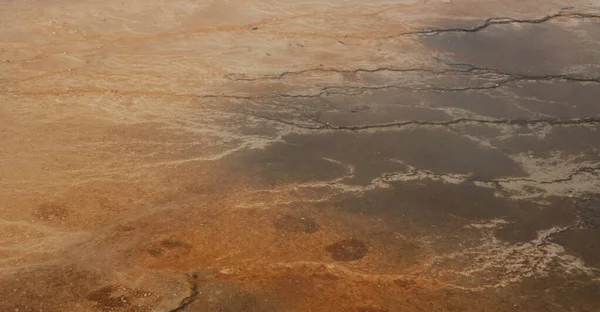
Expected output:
{"points": [[299, 156], [348, 250]]}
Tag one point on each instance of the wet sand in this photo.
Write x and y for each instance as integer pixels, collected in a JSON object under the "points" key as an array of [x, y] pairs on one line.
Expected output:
{"points": [[299, 156]]}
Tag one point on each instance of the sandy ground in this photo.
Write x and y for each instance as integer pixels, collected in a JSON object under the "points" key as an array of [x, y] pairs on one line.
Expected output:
{"points": [[299, 155]]}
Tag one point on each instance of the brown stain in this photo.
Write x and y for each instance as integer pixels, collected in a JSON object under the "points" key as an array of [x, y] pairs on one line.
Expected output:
{"points": [[51, 212], [169, 249], [296, 224], [115, 298], [105, 299], [287, 289], [229, 298], [49, 288], [405, 283], [371, 309], [227, 237], [348, 250], [70, 288]]}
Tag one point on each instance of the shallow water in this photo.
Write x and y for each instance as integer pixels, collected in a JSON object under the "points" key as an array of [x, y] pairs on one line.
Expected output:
{"points": [[299, 156]]}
